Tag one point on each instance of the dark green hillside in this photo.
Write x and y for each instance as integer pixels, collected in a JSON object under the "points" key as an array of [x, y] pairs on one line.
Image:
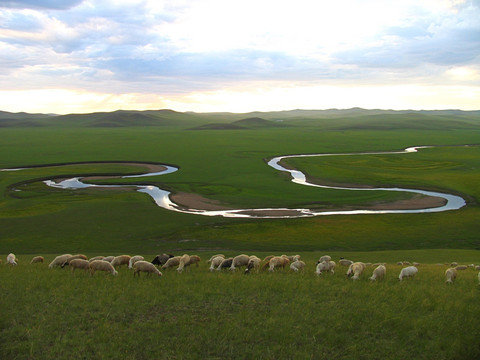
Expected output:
{"points": [[125, 118], [22, 116]]}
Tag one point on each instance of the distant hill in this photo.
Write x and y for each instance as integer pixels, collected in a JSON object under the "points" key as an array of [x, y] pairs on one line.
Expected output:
{"points": [[242, 124], [330, 119]]}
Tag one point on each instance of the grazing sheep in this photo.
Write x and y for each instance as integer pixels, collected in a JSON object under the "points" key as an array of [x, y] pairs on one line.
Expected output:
{"points": [[194, 259], [253, 263], [293, 258], [356, 269], [79, 264], [215, 262], [415, 264], [214, 256], [102, 265], [226, 263], [378, 273], [453, 264], [134, 259], [59, 260], [345, 262], [325, 258], [184, 260], [267, 258], [109, 258], [477, 267], [239, 261], [96, 258], [400, 263], [121, 260], [11, 259], [161, 259], [145, 266], [278, 261], [73, 257], [451, 275], [461, 267], [409, 271], [174, 261], [406, 263], [325, 266], [297, 265], [37, 259]]}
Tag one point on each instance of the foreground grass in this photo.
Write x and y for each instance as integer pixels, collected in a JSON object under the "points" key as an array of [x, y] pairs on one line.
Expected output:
{"points": [[52, 313]]}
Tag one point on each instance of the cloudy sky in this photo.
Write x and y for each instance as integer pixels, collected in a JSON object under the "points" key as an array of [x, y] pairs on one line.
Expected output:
{"points": [[71, 56]]}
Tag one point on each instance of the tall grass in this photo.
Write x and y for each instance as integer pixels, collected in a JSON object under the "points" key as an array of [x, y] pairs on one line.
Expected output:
{"points": [[52, 313]]}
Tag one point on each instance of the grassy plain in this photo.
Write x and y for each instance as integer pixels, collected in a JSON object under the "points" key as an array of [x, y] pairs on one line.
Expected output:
{"points": [[52, 313], [229, 166]]}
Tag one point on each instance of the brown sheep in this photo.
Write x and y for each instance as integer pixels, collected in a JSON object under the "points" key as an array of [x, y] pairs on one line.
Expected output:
{"points": [[278, 261], [37, 259], [145, 266], [102, 265], [79, 264]]}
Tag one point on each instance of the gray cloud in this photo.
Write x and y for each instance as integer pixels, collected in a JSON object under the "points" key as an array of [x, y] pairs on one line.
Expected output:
{"points": [[40, 4]]}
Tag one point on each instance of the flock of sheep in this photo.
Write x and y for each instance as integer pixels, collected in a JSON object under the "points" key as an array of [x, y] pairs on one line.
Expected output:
{"points": [[219, 262]]}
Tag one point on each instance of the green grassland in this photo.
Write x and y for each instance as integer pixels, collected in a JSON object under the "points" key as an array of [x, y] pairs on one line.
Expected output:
{"points": [[53, 313]]}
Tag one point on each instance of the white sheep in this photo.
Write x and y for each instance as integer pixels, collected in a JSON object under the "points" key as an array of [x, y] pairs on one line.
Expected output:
{"points": [[325, 266], [253, 263], [345, 262], [37, 259], [59, 260], [184, 260], [120, 260], [461, 267], [11, 259], [97, 258], [145, 266], [297, 265], [102, 265], [239, 261], [325, 258], [293, 258], [187, 260], [450, 275], [378, 273], [278, 261], [108, 258], [79, 264], [214, 256], [356, 269], [215, 262], [134, 259], [409, 271]]}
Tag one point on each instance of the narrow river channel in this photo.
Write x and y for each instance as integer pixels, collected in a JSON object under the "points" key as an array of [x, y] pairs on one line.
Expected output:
{"points": [[162, 197]]}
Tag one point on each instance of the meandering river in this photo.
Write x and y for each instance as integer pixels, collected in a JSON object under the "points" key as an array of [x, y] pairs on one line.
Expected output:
{"points": [[162, 197]]}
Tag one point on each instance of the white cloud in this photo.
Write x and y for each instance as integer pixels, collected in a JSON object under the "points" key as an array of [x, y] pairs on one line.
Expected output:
{"points": [[213, 47]]}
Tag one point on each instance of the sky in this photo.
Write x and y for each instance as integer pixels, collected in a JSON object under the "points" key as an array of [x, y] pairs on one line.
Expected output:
{"points": [[79, 56]]}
